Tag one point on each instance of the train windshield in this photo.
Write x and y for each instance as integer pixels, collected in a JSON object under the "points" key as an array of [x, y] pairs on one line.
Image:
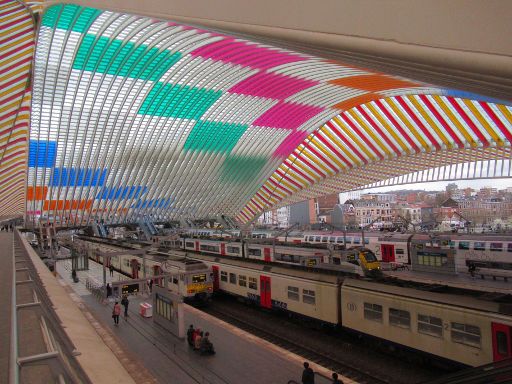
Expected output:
{"points": [[199, 278], [369, 256]]}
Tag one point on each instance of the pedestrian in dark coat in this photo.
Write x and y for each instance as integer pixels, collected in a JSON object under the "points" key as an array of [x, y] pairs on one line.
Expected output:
{"points": [[308, 376], [124, 303], [111, 269], [190, 333]]}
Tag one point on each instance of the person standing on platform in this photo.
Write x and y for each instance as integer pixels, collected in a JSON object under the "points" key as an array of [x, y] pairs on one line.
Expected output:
{"points": [[111, 269], [308, 376], [109, 290], [116, 312], [335, 379], [124, 303], [190, 335]]}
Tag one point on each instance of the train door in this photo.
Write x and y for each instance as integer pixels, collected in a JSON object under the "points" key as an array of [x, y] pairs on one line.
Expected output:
{"points": [[135, 268], [215, 270], [197, 245], [266, 254], [501, 341], [265, 300], [223, 249], [387, 252], [157, 271]]}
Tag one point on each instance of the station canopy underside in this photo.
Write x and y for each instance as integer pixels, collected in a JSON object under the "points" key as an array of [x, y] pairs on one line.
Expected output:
{"points": [[132, 116]]}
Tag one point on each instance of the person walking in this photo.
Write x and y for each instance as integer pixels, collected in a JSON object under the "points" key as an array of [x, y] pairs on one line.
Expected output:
{"points": [[308, 376], [335, 379], [109, 290], [111, 269], [124, 303], [116, 312]]}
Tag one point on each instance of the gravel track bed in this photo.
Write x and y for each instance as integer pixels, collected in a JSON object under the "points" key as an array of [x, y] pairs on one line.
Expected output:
{"points": [[334, 345]]}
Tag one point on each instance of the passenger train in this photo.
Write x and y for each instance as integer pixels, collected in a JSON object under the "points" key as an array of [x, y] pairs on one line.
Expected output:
{"points": [[485, 251], [363, 259], [190, 278], [460, 328]]}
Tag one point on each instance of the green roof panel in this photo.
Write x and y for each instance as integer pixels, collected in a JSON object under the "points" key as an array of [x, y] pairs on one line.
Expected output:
{"points": [[214, 136]]}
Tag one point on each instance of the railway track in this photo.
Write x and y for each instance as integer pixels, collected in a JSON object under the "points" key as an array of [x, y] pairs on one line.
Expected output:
{"points": [[350, 369]]}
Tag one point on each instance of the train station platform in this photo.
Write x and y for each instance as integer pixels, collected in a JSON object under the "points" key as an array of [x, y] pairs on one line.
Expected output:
{"points": [[45, 337], [141, 344], [462, 280]]}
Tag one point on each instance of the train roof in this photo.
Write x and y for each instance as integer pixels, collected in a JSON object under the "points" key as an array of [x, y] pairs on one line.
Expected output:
{"points": [[292, 271], [444, 295]]}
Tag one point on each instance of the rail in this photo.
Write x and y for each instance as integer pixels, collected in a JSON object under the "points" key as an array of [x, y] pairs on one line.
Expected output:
{"points": [[56, 351]]}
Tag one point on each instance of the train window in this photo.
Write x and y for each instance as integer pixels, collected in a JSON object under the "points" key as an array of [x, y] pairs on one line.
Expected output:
{"points": [[433, 260], [357, 240], [223, 276], [466, 334], [399, 318], [497, 247], [509, 247], [367, 241], [430, 325], [253, 283], [233, 250], [293, 293], [308, 296], [242, 280], [232, 278], [189, 244], [254, 252], [199, 278], [399, 251], [324, 239], [451, 243], [373, 312], [332, 239], [502, 343], [479, 246], [318, 238], [463, 244], [349, 240], [209, 248], [340, 240]]}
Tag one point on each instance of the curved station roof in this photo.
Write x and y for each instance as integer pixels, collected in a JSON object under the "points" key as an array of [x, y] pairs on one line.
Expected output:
{"points": [[132, 116]]}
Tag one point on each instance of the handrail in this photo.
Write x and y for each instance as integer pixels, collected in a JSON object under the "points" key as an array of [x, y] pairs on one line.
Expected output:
{"points": [[13, 365]]}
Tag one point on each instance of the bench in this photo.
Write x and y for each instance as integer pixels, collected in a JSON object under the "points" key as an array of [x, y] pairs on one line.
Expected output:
{"points": [[494, 274]]}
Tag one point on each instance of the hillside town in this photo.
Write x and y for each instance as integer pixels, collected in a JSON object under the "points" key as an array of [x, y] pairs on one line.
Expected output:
{"points": [[454, 209]]}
